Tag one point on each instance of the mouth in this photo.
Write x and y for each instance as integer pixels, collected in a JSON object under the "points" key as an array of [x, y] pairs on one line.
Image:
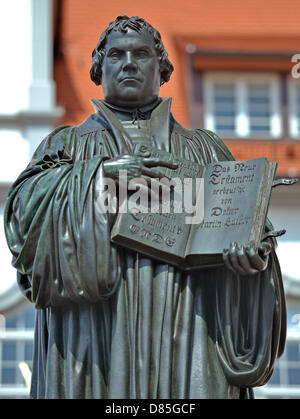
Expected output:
{"points": [[130, 79]]}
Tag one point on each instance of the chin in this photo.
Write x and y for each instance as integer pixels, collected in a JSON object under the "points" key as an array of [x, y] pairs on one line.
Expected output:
{"points": [[130, 94]]}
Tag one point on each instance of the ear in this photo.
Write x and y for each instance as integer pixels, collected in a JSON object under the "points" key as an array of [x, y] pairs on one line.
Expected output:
{"points": [[162, 78]]}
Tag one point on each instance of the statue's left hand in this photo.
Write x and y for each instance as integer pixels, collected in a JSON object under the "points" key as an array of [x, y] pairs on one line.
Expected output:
{"points": [[247, 260]]}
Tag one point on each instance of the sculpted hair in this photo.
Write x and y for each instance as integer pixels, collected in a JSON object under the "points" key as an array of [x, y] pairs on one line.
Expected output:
{"points": [[122, 24]]}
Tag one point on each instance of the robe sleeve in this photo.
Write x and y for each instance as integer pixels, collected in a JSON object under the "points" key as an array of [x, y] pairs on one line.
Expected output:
{"points": [[55, 229], [250, 324]]}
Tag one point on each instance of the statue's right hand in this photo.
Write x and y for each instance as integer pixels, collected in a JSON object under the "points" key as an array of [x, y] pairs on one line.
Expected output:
{"points": [[135, 166]]}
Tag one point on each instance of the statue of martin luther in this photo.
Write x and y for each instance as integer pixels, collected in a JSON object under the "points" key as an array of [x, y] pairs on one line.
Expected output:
{"points": [[112, 323]]}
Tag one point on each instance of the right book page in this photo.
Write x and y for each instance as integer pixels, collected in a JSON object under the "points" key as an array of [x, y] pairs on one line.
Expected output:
{"points": [[236, 200]]}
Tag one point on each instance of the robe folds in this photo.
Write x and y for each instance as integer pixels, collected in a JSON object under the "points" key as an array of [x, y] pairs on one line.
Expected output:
{"points": [[112, 323]]}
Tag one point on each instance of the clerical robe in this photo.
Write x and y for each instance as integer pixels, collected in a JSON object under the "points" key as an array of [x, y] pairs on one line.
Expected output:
{"points": [[112, 323]]}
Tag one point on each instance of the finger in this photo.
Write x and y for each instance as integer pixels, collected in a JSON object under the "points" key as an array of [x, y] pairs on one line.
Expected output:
{"points": [[244, 261], [152, 173], [134, 172], [152, 185], [152, 162], [226, 260], [234, 259], [264, 249], [139, 171], [255, 260]]}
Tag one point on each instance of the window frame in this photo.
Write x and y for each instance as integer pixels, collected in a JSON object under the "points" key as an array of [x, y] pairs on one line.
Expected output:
{"points": [[20, 335], [240, 80], [293, 119]]}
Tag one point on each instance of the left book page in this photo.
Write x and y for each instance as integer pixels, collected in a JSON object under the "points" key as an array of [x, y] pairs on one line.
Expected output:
{"points": [[162, 228]]}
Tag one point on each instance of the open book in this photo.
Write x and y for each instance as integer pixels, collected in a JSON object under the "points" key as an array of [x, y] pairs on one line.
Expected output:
{"points": [[208, 208]]}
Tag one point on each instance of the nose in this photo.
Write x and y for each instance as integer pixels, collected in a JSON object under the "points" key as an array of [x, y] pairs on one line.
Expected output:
{"points": [[129, 62]]}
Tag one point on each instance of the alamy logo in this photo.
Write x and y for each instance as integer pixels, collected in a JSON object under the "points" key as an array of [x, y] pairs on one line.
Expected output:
{"points": [[162, 196], [296, 68]]}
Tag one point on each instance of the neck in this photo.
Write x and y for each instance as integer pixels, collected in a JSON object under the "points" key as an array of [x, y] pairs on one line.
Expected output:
{"points": [[125, 113], [131, 105]]}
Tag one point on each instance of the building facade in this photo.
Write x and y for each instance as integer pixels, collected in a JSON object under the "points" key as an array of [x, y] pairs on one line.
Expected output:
{"points": [[237, 72], [28, 111]]}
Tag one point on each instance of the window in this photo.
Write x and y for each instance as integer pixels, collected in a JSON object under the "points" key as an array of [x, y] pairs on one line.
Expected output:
{"points": [[225, 108], [259, 107], [242, 104], [16, 348], [285, 381], [287, 371], [294, 107]]}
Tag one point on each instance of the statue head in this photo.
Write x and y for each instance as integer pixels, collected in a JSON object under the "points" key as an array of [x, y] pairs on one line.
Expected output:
{"points": [[123, 24]]}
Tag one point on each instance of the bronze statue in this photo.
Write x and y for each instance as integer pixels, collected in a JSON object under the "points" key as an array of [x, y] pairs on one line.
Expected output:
{"points": [[112, 323]]}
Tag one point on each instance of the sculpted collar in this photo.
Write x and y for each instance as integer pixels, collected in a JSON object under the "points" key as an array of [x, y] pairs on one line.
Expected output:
{"points": [[159, 124], [135, 114]]}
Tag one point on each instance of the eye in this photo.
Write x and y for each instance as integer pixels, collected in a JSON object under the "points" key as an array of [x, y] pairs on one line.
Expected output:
{"points": [[115, 55], [142, 53]]}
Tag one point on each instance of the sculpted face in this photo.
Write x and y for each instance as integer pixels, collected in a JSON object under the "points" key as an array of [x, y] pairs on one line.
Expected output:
{"points": [[130, 69]]}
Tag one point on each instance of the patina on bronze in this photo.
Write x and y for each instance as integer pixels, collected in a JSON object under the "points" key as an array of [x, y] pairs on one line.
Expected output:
{"points": [[112, 323], [234, 200]]}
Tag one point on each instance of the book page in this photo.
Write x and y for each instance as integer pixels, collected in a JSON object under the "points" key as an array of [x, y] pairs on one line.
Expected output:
{"points": [[231, 197]]}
